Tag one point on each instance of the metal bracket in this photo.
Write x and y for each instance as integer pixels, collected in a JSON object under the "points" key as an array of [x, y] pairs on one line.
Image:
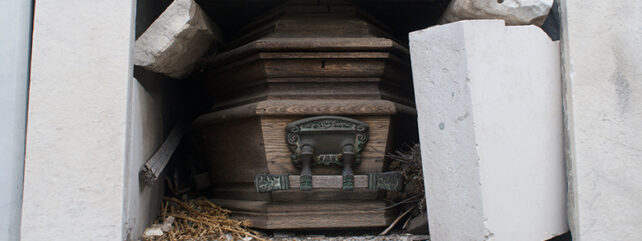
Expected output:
{"points": [[390, 181]]}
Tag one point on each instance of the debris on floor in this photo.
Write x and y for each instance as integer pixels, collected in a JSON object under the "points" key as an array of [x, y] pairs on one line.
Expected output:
{"points": [[198, 219], [159, 229], [418, 225]]}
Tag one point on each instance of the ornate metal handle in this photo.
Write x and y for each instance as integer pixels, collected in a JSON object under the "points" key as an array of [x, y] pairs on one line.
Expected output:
{"points": [[326, 140]]}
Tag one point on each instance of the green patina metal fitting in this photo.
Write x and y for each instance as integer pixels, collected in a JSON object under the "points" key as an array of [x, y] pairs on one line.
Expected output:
{"points": [[268, 183], [306, 183], [391, 181], [348, 183]]}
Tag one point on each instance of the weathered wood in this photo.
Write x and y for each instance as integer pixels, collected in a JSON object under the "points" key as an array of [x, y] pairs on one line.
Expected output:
{"points": [[276, 44], [311, 214], [305, 108], [156, 164], [325, 194], [278, 155], [235, 150], [358, 75]]}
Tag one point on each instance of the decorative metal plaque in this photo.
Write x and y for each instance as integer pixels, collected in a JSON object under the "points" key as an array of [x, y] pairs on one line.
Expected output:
{"points": [[268, 183], [391, 181]]}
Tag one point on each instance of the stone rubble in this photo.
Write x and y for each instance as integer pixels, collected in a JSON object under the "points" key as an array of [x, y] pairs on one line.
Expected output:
{"points": [[514, 12], [176, 40], [418, 225], [159, 229]]}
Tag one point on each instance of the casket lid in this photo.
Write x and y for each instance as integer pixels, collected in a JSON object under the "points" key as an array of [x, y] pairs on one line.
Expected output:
{"points": [[304, 27]]}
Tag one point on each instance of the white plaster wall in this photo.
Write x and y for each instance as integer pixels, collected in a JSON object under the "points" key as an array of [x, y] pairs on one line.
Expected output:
{"points": [[602, 56], [77, 120], [15, 23], [490, 125]]}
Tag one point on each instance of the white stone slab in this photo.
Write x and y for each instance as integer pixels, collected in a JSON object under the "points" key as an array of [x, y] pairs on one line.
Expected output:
{"points": [[176, 40], [514, 12], [490, 123], [602, 58], [77, 120]]}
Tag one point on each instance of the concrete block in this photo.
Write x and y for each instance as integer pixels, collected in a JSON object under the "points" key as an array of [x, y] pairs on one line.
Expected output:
{"points": [[490, 123], [176, 40], [602, 54], [514, 12]]}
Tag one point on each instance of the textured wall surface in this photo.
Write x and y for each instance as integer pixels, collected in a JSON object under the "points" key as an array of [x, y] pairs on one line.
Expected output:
{"points": [[77, 120], [602, 56], [490, 123]]}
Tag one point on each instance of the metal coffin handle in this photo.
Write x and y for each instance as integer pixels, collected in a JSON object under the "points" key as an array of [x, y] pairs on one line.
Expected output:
{"points": [[327, 140]]}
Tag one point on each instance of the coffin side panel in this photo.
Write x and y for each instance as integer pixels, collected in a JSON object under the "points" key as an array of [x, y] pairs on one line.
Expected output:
{"points": [[235, 150]]}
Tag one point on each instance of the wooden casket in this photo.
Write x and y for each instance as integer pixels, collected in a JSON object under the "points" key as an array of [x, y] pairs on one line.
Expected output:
{"points": [[341, 85]]}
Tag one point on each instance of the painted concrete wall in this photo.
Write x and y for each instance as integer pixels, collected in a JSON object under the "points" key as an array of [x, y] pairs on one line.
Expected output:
{"points": [[153, 102], [602, 59], [15, 24], [490, 124], [77, 129], [142, 201]]}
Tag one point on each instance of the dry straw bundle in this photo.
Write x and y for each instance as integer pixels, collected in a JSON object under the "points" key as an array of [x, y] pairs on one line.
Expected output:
{"points": [[200, 219]]}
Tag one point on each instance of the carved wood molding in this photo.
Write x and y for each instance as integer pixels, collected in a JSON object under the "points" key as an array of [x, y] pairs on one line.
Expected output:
{"points": [[307, 107]]}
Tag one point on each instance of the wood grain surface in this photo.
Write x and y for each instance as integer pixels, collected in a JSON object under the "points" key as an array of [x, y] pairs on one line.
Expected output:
{"points": [[306, 108], [311, 215], [278, 155]]}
